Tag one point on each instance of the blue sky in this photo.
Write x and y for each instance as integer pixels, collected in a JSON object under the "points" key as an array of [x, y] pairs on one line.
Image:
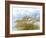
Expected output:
{"points": [[20, 12]]}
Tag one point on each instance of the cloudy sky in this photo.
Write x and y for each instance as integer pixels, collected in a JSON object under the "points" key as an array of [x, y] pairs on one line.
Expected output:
{"points": [[20, 12]]}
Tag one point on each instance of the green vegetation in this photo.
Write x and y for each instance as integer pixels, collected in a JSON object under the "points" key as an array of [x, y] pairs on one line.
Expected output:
{"points": [[26, 23]]}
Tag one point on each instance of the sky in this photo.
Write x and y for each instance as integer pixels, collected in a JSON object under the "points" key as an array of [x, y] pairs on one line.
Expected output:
{"points": [[20, 12]]}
